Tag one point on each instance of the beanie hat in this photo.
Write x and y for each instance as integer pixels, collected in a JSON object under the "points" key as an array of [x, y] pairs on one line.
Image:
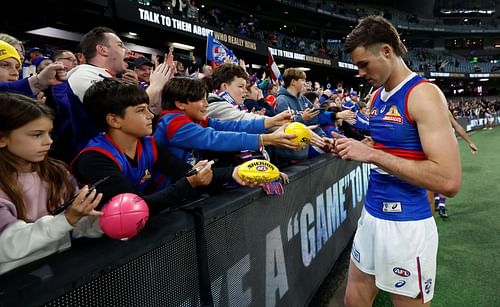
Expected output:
{"points": [[8, 51]]}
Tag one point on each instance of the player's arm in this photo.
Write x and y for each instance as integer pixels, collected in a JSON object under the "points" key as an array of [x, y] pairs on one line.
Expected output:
{"points": [[441, 171], [460, 130]]}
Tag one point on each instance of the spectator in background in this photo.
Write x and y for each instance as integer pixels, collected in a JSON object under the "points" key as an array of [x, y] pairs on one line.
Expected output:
{"points": [[143, 67], [192, 64], [180, 69], [255, 102], [106, 57], [192, 10], [290, 97], [17, 44], [79, 55], [10, 63], [163, 5], [228, 93], [207, 71], [178, 7], [34, 52], [66, 57], [31, 86], [41, 62]]}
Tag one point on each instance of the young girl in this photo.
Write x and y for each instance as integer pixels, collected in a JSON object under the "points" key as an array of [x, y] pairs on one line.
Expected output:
{"points": [[32, 184]]}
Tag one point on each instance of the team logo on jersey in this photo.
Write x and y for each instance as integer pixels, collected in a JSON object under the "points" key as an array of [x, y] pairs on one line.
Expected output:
{"points": [[401, 272], [393, 116], [147, 176], [373, 112]]}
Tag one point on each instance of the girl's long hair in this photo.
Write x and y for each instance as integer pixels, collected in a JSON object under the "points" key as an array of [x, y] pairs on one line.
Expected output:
{"points": [[16, 111]]}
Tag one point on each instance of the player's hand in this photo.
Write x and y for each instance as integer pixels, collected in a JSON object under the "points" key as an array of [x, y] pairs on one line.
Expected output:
{"points": [[473, 148], [351, 149], [315, 138]]}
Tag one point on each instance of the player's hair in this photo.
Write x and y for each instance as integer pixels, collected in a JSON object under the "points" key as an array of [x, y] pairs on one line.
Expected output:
{"points": [[370, 32]]}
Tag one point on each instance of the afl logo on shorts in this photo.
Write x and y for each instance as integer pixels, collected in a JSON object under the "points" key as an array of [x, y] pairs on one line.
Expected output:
{"points": [[401, 272]]}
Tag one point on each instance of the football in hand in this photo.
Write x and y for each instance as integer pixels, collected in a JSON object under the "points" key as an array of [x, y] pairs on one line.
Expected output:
{"points": [[303, 133], [259, 171]]}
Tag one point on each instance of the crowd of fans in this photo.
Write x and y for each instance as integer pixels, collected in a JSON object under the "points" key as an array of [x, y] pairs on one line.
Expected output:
{"points": [[474, 107]]}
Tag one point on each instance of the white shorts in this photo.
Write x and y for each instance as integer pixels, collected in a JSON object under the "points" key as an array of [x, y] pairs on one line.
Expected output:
{"points": [[401, 255]]}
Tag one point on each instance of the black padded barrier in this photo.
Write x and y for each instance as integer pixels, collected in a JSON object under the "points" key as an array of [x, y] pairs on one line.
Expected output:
{"points": [[261, 250]]}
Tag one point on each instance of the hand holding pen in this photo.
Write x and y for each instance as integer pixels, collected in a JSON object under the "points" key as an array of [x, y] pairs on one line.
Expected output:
{"points": [[83, 205], [88, 191], [200, 174]]}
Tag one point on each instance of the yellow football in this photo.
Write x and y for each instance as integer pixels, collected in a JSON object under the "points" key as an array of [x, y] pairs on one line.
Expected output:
{"points": [[303, 133], [258, 171]]}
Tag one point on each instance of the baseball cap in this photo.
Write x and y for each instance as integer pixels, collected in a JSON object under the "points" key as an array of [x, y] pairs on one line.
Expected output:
{"points": [[142, 61], [8, 51]]}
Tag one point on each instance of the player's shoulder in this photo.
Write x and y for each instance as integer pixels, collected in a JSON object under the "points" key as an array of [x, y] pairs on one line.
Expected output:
{"points": [[426, 89]]}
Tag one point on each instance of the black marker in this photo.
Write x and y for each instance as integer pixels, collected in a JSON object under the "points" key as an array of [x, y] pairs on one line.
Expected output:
{"points": [[66, 204], [196, 170]]}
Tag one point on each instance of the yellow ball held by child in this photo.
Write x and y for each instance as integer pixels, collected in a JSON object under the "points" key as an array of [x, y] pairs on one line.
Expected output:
{"points": [[259, 171], [303, 133]]}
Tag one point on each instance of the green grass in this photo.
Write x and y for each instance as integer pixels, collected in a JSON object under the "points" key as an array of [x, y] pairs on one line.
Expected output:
{"points": [[468, 267]]}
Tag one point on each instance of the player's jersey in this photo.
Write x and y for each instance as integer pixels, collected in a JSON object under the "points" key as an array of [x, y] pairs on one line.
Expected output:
{"points": [[140, 175], [393, 131]]}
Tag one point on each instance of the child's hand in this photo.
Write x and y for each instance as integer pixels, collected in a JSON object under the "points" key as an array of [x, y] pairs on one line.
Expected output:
{"points": [[284, 178], [83, 205], [203, 177], [242, 182]]}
